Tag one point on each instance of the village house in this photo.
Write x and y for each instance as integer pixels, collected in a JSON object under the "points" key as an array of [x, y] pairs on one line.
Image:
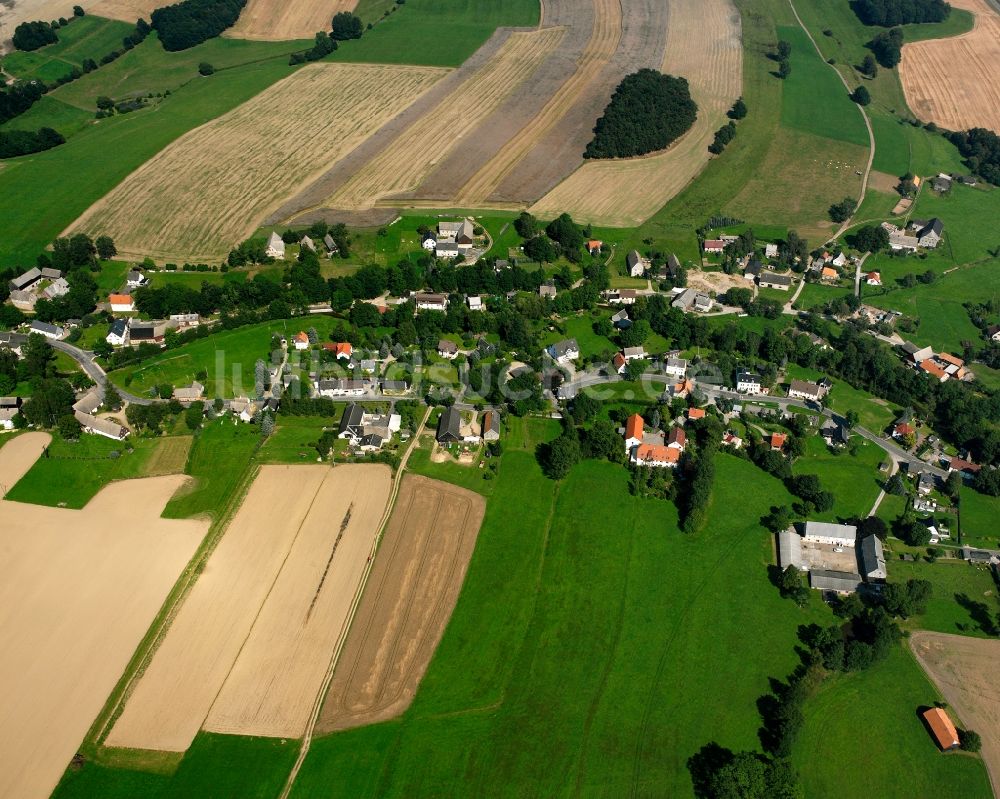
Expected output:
{"points": [[367, 431], [342, 350], [449, 430], [829, 274], [121, 303], [182, 321], [306, 243], [752, 270], [942, 728], [621, 296], [677, 439], [340, 387], [146, 333], [634, 354], [429, 241], [101, 427], [23, 300], [840, 582], [803, 389], [53, 332], [872, 558], [447, 249], [778, 441], [475, 302], [928, 233], [931, 367], [192, 393], [993, 332], [770, 250], [10, 407], [490, 425], [772, 280], [301, 340], [594, 246], [730, 439], [564, 351], [25, 281], [675, 367], [637, 265], [118, 334], [915, 354], [837, 535], [695, 413], [873, 279], [57, 288], [941, 183], [692, 299], [618, 363], [903, 430], [275, 246], [431, 302], [547, 289], [964, 467], [395, 388], [634, 430], [748, 383], [330, 244], [447, 349], [13, 341], [656, 456], [714, 246], [136, 279], [925, 483], [458, 233]]}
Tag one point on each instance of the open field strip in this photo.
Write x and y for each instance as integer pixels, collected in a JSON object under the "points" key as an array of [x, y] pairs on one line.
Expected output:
{"points": [[231, 611], [603, 43], [80, 589], [277, 20], [125, 10], [415, 582], [274, 683], [967, 671], [212, 187], [955, 82], [703, 45], [411, 156]]}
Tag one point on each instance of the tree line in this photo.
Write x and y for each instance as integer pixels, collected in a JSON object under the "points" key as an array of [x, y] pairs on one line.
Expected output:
{"points": [[981, 150], [888, 13], [647, 112], [192, 22]]}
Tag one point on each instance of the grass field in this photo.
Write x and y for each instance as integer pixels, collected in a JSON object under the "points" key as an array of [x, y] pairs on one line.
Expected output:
{"points": [[581, 327], [874, 414], [853, 479], [438, 33], [959, 587], [236, 155], [86, 37], [293, 439], [75, 471], [835, 754], [978, 514], [814, 294], [49, 112]]}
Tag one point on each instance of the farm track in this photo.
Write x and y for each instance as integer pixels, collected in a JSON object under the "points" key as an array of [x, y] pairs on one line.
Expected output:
{"points": [[703, 44], [411, 156], [215, 185], [955, 82]]}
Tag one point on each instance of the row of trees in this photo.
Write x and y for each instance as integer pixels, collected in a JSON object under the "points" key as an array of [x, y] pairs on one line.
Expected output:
{"points": [[888, 13], [23, 142], [647, 112], [981, 150], [192, 22]]}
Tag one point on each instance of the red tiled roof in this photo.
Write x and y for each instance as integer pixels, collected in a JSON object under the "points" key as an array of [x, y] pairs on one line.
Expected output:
{"points": [[947, 358], [302, 336], [962, 465], [120, 299], [696, 413], [633, 426], [618, 360], [657, 453], [942, 728], [932, 368], [904, 429], [778, 440], [677, 436]]}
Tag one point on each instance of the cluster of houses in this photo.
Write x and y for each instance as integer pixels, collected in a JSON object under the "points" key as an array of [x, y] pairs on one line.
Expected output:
{"points": [[639, 266], [276, 246], [37, 284], [807, 390], [918, 234], [834, 557], [85, 412], [451, 240], [365, 431], [122, 300], [941, 366], [367, 384], [653, 448], [131, 332], [453, 429]]}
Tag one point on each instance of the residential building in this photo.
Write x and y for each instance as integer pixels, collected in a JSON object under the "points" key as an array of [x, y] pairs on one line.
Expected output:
{"points": [[431, 302], [621, 296], [594, 246], [772, 280], [121, 303], [838, 535], [475, 302], [695, 413], [101, 427], [730, 439], [182, 321], [330, 244], [136, 279], [829, 274], [676, 367], [803, 389], [677, 439], [564, 351], [902, 430], [748, 383], [873, 279], [53, 332], [307, 243], [934, 370], [634, 354], [929, 233], [618, 363], [461, 233], [714, 246], [192, 393], [57, 288], [941, 183], [770, 250], [342, 350], [340, 387], [993, 331], [447, 349], [449, 428], [634, 429], [7, 415], [753, 270], [941, 726], [13, 341], [872, 558], [275, 246], [118, 334], [547, 289], [656, 456], [965, 467], [352, 422], [703, 303], [447, 249], [429, 241], [915, 354], [925, 483], [27, 280], [395, 387], [778, 441], [301, 340], [146, 333], [637, 265], [23, 300]]}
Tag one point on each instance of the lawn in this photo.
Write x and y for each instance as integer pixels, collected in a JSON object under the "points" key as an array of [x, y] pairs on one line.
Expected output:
{"points": [[74, 471], [978, 515], [581, 327], [964, 595], [813, 99], [42, 194], [439, 33], [86, 37], [294, 438], [52, 113], [820, 294], [874, 414], [568, 663], [228, 357], [862, 738], [853, 479]]}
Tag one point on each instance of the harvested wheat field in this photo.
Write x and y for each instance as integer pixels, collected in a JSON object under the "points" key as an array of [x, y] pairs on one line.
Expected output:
{"points": [[408, 600], [277, 20], [212, 187], [967, 671], [80, 589], [125, 10], [273, 686], [245, 639], [405, 162], [703, 45], [955, 82]]}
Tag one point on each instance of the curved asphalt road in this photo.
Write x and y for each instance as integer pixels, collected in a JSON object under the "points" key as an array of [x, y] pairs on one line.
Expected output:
{"points": [[94, 371]]}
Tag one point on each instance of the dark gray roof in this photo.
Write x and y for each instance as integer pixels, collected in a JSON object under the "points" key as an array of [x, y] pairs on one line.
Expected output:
{"points": [[449, 425], [935, 225], [824, 579], [775, 279], [633, 258], [118, 327], [29, 277], [45, 327], [395, 385], [371, 440], [872, 557], [560, 348], [351, 420], [753, 268], [12, 340]]}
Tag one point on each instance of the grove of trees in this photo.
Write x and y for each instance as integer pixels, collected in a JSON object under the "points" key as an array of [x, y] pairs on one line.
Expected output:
{"points": [[23, 142], [32, 35], [192, 22], [887, 13], [888, 47], [647, 112], [981, 150]]}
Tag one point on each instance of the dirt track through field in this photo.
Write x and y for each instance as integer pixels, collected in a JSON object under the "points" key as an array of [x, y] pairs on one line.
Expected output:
{"points": [[955, 82], [967, 671], [406, 161], [241, 646], [278, 20], [413, 588], [214, 186], [703, 45], [274, 682], [80, 589]]}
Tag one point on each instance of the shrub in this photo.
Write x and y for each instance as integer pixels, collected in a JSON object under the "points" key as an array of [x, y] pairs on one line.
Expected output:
{"points": [[346, 25], [205, 69], [32, 35]]}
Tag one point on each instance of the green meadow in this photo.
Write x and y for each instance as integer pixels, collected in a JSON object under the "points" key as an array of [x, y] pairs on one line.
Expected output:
{"points": [[978, 515], [84, 38], [853, 479], [964, 595]]}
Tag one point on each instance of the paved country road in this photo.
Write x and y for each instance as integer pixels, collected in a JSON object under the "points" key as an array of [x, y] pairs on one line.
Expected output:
{"points": [[94, 371]]}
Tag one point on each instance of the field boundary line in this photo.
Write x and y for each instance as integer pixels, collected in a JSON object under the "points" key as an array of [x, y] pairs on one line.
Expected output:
{"points": [[335, 657], [168, 612]]}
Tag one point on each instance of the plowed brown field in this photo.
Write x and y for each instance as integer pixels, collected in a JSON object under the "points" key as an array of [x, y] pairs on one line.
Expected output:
{"points": [[261, 615], [409, 597], [211, 188], [703, 45], [276, 20], [407, 160], [955, 82], [79, 590], [967, 671]]}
